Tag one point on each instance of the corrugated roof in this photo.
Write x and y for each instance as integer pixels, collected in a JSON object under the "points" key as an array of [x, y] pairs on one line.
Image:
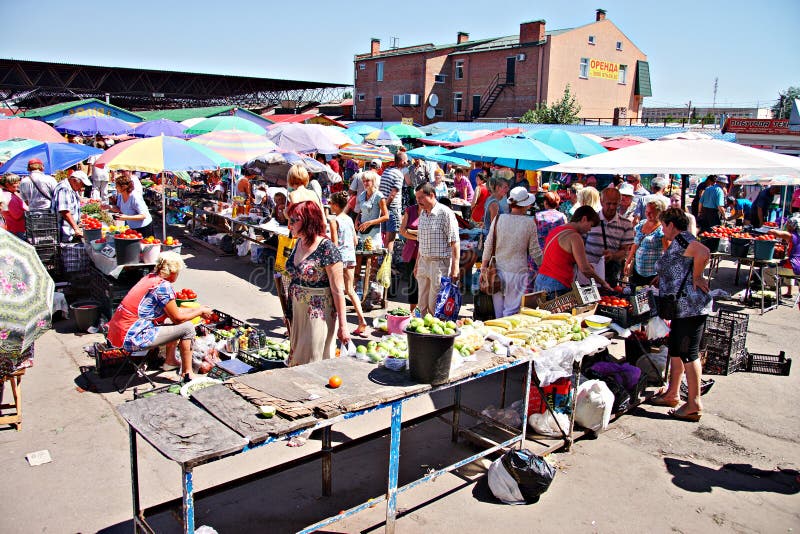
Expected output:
{"points": [[182, 114], [57, 108]]}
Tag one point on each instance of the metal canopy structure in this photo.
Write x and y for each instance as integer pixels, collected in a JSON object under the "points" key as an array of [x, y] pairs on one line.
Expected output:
{"points": [[33, 84]]}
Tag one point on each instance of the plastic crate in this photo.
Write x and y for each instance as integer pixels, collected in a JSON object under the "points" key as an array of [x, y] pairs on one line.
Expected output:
{"points": [[624, 317], [723, 363], [769, 364], [640, 303], [725, 339], [262, 364], [41, 227], [107, 360], [41, 236]]}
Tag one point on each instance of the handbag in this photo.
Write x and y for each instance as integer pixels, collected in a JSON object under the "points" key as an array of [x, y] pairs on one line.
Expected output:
{"points": [[489, 281]]}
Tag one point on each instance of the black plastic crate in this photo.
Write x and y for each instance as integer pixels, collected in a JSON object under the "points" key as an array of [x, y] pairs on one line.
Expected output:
{"points": [[41, 220], [41, 236], [769, 364], [624, 317], [736, 323], [722, 363], [262, 364]]}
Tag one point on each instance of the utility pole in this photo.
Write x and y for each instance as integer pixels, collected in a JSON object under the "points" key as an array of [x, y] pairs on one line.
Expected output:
{"points": [[714, 102], [689, 112]]}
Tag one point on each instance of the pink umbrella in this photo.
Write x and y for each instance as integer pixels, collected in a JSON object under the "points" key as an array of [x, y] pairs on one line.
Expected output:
{"points": [[623, 141], [18, 127]]}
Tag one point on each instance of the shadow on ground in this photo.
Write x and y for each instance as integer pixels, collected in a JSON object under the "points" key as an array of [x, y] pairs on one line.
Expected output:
{"points": [[734, 477]]}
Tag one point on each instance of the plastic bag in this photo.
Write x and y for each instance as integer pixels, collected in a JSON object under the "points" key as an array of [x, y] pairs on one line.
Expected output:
{"points": [[548, 424], [656, 328], [384, 274], [653, 365], [593, 405], [531, 473], [448, 300], [507, 416], [349, 350], [503, 485]]}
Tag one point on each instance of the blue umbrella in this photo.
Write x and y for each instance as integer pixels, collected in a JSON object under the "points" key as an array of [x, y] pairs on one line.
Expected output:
{"points": [[54, 156], [361, 129], [568, 142], [437, 154], [515, 152], [355, 136], [159, 127], [93, 125]]}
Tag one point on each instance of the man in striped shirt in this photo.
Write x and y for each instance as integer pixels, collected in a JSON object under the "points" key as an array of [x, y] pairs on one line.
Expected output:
{"points": [[612, 238], [390, 187]]}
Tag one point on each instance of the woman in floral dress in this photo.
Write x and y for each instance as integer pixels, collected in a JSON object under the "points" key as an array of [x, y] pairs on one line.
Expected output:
{"points": [[316, 290]]}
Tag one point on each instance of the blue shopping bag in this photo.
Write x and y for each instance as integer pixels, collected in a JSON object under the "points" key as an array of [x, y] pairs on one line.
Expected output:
{"points": [[448, 300]]}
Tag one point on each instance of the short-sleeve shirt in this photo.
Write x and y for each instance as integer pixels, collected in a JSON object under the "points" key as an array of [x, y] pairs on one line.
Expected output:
{"points": [[618, 233], [369, 209], [650, 247], [144, 331], [30, 193], [713, 197], [311, 271], [67, 199], [345, 236], [547, 220], [463, 185], [672, 268], [437, 229], [135, 205], [745, 206], [487, 221], [392, 178]]}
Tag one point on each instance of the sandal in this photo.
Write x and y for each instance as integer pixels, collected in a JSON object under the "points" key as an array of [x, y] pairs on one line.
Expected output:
{"points": [[693, 417], [660, 400], [360, 331]]}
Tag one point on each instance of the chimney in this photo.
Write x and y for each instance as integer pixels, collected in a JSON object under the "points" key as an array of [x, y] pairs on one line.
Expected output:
{"points": [[531, 32], [375, 46], [463, 37], [601, 15]]}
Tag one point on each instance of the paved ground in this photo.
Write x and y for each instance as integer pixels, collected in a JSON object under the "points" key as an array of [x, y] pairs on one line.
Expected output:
{"points": [[735, 471]]}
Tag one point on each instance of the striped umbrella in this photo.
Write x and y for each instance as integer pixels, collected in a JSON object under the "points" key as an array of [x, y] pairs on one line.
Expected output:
{"points": [[383, 138], [236, 146], [405, 131], [225, 122], [366, 152]]}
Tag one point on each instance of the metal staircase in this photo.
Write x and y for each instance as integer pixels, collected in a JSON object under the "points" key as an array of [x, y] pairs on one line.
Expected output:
{"points": [[492, 93]]}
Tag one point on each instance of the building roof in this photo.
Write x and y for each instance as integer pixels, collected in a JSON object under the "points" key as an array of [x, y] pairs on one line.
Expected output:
{"points": [[64, 106], [182, 114]]}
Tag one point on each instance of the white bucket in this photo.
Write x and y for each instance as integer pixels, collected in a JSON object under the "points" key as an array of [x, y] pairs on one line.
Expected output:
{"points": [[150, 253]]}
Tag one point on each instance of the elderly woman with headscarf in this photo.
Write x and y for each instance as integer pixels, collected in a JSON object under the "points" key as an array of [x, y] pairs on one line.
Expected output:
{"points": [[138, 322]]}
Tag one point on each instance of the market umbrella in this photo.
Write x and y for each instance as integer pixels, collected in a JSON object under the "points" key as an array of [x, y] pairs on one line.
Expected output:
{"points": [[307, 138], [624, 141], [437, 154], [26, 299], [515, 152], [188, 123], [362, 129], [453, 138], [93, 125], [225, 122], [497, 134], [366, 152], [12, 147], [567, 142], [405, 131], [383, 138], [18, 127], [357, 138], [112, 152], [273, 166], [54, 156], [593, 137], [686, 135], [236, 146], [159, 127]]}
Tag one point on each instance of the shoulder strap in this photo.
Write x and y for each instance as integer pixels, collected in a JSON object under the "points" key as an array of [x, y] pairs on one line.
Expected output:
{"points": [[603, 229], [494, 233], [554, 238], [45, 195]]}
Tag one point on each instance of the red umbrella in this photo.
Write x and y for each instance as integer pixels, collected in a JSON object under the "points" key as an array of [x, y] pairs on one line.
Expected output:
{"points": [[623, 141], [504, 132], [18, 127]]}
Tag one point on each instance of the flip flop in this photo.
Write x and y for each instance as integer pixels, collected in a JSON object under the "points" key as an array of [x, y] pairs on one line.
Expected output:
{"points": [[359, 332], [691, 417], [661, 401]]}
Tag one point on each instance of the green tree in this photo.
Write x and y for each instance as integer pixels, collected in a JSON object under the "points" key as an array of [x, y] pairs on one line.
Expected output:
{"points": [[563, 111], [783, 107], [347, 94]]}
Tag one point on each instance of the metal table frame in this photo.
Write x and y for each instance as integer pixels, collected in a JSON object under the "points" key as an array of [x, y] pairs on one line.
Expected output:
{"points": [[393, 489]]}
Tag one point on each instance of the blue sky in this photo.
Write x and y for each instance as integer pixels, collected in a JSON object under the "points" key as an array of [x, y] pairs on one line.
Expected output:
{"points": [[752, 47]]}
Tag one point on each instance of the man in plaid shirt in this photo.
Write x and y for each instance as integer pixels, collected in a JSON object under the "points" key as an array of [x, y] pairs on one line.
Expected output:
{"points": [[67, 203], [439, 246]]}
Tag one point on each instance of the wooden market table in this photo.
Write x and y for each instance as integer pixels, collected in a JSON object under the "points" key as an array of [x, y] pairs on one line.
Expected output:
{"points": [[222, 421]]}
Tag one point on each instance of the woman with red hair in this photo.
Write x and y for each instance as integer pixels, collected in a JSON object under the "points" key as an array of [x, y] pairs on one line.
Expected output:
{"points": [[316, 291]]}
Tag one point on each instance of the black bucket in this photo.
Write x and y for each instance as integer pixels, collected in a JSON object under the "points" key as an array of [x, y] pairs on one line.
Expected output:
{"points": [[128, 250], [711, 242], [86, 314], [91, 235], [740, 248], [429, 357]]}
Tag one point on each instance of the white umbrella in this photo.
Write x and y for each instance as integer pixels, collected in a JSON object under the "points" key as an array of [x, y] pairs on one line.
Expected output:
{"points": [[307, 138], [684, 156], [191, 122], [686, 135]]}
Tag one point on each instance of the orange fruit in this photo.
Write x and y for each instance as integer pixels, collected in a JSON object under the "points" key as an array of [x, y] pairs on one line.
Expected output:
{"points": [[335, 381]]}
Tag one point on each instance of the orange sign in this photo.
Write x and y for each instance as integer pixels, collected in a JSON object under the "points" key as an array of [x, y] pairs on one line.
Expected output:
{"points": [[603, 69]]}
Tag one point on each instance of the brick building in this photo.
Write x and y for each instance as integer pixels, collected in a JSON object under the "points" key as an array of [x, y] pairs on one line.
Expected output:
{"points": [[504, 76]]}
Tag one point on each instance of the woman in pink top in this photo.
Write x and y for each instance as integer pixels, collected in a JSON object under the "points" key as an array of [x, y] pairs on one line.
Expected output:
{"points": [[463, 186], [14, 215]]}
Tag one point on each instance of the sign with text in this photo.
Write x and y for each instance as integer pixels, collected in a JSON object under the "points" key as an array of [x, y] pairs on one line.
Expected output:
{"points": [[758, 126], [407, 121], [603, 69]]}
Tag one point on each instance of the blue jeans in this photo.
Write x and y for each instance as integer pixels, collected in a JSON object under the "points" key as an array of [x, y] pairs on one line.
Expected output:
{"points": [[551, 286]]}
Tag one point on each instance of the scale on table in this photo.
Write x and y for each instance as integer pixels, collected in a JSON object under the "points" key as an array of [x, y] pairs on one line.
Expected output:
{"points": [[108, 251]]}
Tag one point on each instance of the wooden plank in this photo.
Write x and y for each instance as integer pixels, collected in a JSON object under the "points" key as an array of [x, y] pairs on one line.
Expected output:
{"points": [[281, 383], [180, 430], [243, 417]]}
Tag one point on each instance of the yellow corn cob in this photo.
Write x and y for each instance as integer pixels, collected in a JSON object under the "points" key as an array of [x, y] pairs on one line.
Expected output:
{"points": [[503, 323], [497, 329], [558, 316], [535, 312]]}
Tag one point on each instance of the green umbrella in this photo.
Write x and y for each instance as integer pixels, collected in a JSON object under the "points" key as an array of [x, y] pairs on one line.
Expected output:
{"points": [[26, 299], [406, 131], [225, 122], [11, 147]]}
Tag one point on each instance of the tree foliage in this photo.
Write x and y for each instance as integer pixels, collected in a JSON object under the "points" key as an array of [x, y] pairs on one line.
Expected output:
{"points": [[563, 111], [783, 107]]}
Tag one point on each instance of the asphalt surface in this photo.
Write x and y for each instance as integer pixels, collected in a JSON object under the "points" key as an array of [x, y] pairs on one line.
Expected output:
{"points": [[734, 471]]}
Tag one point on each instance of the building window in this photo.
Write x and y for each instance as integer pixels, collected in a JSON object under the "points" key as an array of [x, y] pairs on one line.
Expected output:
{"points": [[439, 112], [591, 40], [362, 66], [458, 100], [459, 69], [379, 71], [584, 70], [619, 45], [440, 78], [361, 97], [623, 74]]}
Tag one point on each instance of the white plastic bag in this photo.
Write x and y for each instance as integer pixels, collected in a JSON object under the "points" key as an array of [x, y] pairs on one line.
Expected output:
{"points": [[507, 416], [656, 328], [593, 405], [546, 425], [243, 249], [350, 350], [502, 484]]}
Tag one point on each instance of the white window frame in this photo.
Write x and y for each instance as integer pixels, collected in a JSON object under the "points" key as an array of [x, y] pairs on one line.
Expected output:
{"points": [[619, 45], [583, 68], [623, 75], [458, 102], [440, 78], [361, 97], [379, 70], [458, 69], [592, 40], [362, 66]]}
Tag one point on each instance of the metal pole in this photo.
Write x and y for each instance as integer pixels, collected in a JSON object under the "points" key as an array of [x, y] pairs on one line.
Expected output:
{"points": [[134, 477], [394, 466], [188, 502], [327, 462], [456, 413]]}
